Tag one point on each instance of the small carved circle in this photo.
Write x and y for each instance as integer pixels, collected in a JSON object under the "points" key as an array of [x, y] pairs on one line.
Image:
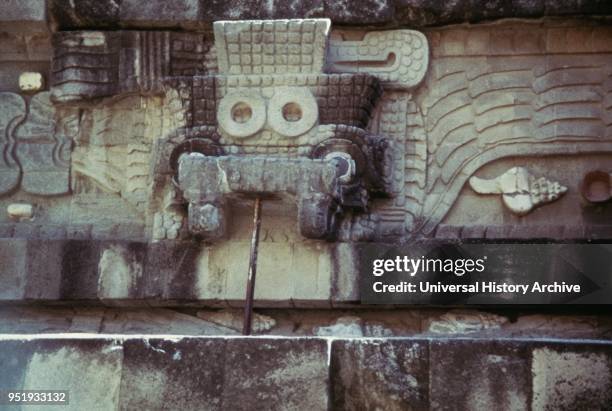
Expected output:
{"points": [[597, 186], [292, 112], [241, 112]]}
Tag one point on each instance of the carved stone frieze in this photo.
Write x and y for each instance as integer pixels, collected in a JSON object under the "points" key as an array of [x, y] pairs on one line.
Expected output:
{"points": [[416, 114], [499, 92]]}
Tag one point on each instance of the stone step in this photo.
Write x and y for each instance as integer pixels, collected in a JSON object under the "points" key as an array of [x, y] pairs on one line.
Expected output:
{"points": [[108, 372]]}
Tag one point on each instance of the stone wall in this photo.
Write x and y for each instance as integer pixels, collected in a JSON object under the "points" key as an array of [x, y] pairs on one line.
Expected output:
{"points": [[311, 373]]}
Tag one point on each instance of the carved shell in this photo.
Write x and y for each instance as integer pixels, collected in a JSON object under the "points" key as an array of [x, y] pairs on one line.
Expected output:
{"points": [[521, 192]]}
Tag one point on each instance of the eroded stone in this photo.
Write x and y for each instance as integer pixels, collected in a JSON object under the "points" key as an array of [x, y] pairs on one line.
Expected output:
{"points": [[380, 374]]}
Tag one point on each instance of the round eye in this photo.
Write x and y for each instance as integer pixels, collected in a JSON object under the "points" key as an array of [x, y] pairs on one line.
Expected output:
{"points": [[241, 114], [292, 111]]}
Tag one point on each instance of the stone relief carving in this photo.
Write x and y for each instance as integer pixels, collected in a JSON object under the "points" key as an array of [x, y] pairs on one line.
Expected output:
{"points": [[36, 147], [13, 113], [475, 110], [259, 98], [95, 64], [285, 129], [521, 192], [399, 58], [294, 90]]}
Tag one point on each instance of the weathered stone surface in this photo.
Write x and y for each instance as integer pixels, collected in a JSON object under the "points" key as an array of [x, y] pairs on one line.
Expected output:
{"points": [[13, 272], [380, 374], [498, 374], [214, 10], [346, 327], [159, 13], [30, 269], [19, 16], [85, 13], [13, 112], [276, 374], [391, 13], [186, 374], [571, 376], [364, 12], [167, 273], [80, 366], [192, 373], [234, 319], [464, 322], [101, 320], [282, 373]]}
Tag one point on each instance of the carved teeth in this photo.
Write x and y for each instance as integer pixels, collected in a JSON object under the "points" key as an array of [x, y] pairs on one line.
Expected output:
{"points": [[521, 192]]}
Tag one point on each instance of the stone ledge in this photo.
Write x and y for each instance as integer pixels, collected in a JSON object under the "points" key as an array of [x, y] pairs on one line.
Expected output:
{"points": [[188, 273], [525, 232], [124, 273], [157, 373], [148, 371], [193, 14], [459, 373]]}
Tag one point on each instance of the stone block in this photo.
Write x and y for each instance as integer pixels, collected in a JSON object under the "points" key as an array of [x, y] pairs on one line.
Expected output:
{"points": [[380, 374], [479, 374], [496, 9], [276, 374], [362, 12], [13, 270], [89, 369], [121, 271], [345, 274], [312, 273], [161, 374], [171, 271], [423, 12], [572, 376], [80, 261], [45, 266], [157, 373], [91, 14], [176, 13]]}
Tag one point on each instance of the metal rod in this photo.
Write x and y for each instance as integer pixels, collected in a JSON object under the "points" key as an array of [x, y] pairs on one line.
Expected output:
{"points": [[250, 291]]}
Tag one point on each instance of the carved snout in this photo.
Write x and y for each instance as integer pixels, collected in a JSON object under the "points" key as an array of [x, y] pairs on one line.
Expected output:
{"points": [[207, 183]]}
